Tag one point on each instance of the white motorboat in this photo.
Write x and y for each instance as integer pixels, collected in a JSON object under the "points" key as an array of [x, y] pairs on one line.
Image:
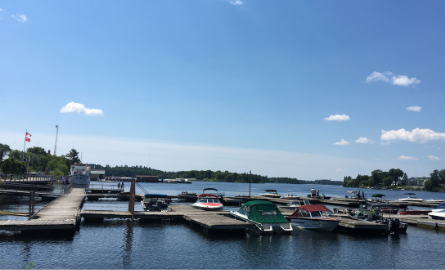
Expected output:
{"points": [[292, 206], [410, 199], [80, 175], [439, 208], [440, 214], [272, 193], [314, 217], [208, 202]]}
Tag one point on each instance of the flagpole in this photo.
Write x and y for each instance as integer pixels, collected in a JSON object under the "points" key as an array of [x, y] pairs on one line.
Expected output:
{"points": [[24, 144]]}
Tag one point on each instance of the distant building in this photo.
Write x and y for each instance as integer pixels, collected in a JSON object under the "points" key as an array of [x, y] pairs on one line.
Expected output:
{"points": [[97, 175], [417, 181], [147, 178]]}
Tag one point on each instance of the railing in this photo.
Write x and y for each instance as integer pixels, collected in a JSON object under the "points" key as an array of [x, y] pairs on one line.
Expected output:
{"points": [[104, 187], [28, 178]]}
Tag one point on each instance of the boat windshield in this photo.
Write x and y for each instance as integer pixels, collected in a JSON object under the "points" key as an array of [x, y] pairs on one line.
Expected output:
{"points": [[318, 214], [208, 200], [268, 213]]}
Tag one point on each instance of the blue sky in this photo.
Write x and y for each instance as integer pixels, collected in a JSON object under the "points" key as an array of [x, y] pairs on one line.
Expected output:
{"points": [[229, 85]]}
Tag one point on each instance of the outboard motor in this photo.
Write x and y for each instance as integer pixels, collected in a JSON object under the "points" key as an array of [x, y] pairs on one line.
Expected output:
{"points": [[394, 225]]}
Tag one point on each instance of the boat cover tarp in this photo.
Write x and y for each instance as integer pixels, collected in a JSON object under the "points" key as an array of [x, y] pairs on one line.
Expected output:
{"points": [[155, 195], [378, 195], [259, 209]]}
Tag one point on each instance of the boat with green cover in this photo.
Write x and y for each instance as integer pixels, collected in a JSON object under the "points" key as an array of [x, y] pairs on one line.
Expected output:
{"points": [[264, 215]]}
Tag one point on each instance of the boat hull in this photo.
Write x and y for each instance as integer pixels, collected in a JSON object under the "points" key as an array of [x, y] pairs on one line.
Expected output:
{"points": [[208, 207], [266, 227], [325, 225], [80, 180], [415, 212]]}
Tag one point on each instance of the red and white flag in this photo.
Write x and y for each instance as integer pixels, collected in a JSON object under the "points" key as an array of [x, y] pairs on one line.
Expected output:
{"points": [[27, 139], [27, 134]]}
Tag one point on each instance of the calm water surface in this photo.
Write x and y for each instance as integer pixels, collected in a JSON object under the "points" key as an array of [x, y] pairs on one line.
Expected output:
{"points": [[127, 244]]}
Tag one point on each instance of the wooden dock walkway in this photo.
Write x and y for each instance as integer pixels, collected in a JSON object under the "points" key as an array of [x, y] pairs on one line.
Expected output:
{"points": [[358, 226], [62, 213], [119, 197], [209, 220]]}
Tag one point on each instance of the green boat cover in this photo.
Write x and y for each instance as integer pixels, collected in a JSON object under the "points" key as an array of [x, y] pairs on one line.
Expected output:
{"points": [[378, 195], [262, 212]]}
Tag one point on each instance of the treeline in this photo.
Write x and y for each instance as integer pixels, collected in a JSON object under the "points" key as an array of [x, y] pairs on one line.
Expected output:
{"points": [[377, 178], [208, 175], [35, 159], [436, 181]]}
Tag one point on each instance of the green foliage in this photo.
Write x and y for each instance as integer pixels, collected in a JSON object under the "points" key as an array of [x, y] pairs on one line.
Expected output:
{"points": [[57, 164], [4, 150], [364, 183], [387, 181], [72, 157], [37, 151], [15, 154], [13, 166], [396, 174]]}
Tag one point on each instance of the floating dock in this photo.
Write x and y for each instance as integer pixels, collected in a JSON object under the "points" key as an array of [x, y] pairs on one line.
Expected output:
{"points": [[62, 213]]}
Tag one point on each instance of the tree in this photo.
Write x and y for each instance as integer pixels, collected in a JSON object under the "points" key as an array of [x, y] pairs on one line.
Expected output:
{"points": [[15, 154], [37, 150], [4, 150], [72, 157], [404, 179], [387, 181], [396, 174], [13, 166], [58, 166]]}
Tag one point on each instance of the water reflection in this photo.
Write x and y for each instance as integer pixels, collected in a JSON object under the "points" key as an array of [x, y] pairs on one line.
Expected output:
{"points": [[128, 240]]}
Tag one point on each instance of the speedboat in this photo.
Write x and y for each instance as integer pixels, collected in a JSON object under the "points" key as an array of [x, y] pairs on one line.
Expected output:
{"points": [[155, 202], [271, 193], [414, 212], [314, 217], [292, 206], [375, 215], [214, 191], [376, 198], [434, 201], [208, 202], [187, 196], [80, 175], [411, 199], [439, 214], [264, 215], [440, 207]]}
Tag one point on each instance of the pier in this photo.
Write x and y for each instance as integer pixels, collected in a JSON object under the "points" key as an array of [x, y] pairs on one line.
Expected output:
{"points": [[62, 213]]}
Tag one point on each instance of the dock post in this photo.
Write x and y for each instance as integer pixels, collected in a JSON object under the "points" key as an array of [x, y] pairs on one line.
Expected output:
{"points": [[131, 199], [31, 203]]}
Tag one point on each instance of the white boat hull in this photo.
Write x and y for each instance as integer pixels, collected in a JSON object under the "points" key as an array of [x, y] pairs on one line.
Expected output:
{"points": [[208, 207], [315, 224]]}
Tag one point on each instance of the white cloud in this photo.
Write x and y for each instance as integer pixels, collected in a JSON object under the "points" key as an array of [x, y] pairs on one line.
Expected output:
{"points": [[433, 157], [414, 108], [417, 135], [236, 2], [342, 142], [406, 158], [339, 170], [364, 140], [337, 117], [20, 17], [73, 107], [388, 76]]}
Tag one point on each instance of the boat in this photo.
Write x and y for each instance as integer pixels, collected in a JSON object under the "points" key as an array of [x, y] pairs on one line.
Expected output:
{"points": [[410, 199], [155, 202], [187, 196], [264, 215], [375, 215], [437, 214], [271, 193], [214, 191], [314, 217], [80, 175], [292, 206], [438, 208], [376, 198], [414, 212], [387, 210], [434, 201], [208, 202]]}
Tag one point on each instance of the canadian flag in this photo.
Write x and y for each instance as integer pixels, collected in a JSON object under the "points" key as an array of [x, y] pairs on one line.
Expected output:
{"points": [[27, 139], [27, 134]]}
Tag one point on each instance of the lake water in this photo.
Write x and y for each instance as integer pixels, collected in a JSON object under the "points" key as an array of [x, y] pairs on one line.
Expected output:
{"points": [[123, 244]]}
